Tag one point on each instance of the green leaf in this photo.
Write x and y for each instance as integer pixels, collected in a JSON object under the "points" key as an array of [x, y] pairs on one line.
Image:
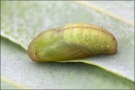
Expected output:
{"points": [[119, 8], [9, 84], [21, 22], [17, 67]]}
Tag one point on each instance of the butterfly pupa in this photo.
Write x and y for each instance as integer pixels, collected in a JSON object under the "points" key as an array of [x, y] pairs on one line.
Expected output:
{"points": [[73, 41]]}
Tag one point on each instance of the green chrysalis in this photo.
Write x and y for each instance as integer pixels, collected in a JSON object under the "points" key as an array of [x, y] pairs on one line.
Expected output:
{"points": [[72, 41]]}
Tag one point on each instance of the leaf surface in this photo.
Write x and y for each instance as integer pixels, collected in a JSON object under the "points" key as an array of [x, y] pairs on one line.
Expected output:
{"points": [[17, 67], [21, 22]]}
